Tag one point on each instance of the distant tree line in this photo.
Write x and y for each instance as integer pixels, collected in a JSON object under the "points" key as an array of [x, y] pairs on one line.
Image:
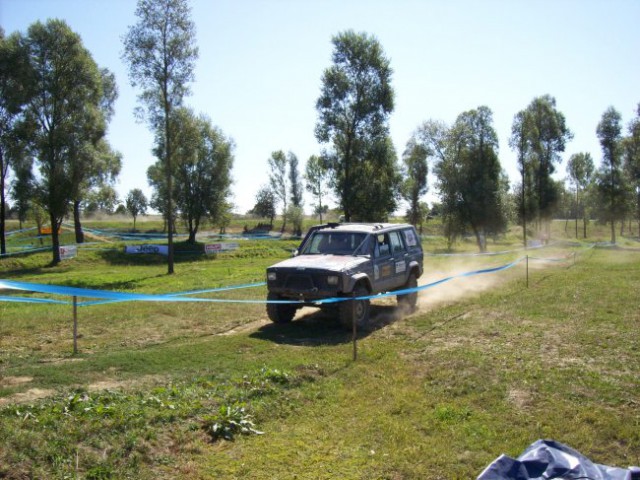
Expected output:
{"points": [[360, 168]]}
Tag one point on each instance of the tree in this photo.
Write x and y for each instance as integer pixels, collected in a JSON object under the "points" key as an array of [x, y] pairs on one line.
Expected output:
{"points": [[353, 108], [279, 182], [610, 179], [295, 182], [65, 109], [95, 163], [580, 169], [539, 135], [415, 179], [631, 146], [136, 204], [520, 142], [204, 158], [160, 52], [265, 206], [316, 176], [15, 82], [470, 179], [103, 198]]}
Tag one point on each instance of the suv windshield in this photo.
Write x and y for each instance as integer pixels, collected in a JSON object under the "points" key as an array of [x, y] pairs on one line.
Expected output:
{"points": [[336, 243]]}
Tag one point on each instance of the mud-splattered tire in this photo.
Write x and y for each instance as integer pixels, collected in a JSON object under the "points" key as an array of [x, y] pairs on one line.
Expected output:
{"points": [[409, 301], [280, 312], [357, 310]]}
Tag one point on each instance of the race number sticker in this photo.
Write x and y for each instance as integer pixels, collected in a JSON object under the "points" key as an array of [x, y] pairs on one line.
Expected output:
{"points": [[401, 266]]}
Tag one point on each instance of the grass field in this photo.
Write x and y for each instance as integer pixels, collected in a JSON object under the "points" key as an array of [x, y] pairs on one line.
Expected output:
{"points": [[485, 366]]}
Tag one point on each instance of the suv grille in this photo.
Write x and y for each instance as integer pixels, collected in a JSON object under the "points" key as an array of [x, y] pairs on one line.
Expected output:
{"points": [[299, 282]]}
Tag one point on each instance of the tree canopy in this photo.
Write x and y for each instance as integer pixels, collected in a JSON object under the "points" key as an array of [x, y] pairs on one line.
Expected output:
{"points": [[355, 102], [470, 179]]}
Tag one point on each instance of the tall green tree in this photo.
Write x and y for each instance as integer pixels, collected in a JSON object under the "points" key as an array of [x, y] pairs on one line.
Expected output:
{"points": [[295, 181], [539, 136], [610, 180], [520, 141], [15, 83], [136, 204], [160, 51], [415, 183], [631, 145], [580, 169], [66, 109], [317, 183], [204, 159], [355, 102], [296, 189], [95, 163], [470, 179], [279, 182]]}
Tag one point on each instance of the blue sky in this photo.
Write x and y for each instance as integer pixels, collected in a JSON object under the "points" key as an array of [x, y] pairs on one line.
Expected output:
{"points": [[261, 61]]}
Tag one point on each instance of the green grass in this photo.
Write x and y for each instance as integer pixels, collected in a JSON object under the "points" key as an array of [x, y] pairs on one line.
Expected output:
{"points": [[436, 395]]}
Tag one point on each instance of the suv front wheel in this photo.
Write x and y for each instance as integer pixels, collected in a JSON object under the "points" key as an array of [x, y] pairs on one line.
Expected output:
{"points": [[280, 312], [355, 310]]}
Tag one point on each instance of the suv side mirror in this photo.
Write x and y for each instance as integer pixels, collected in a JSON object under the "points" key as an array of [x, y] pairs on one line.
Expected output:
{"points": [[294, 253]]}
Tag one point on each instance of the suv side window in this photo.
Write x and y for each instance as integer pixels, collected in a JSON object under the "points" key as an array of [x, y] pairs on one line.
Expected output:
{"points": [[382, 246], [411, 239], [396, 242]]}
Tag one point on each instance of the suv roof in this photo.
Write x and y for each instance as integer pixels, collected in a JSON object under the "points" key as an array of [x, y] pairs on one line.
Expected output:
{"points": [[352, 227], [361, 227]]}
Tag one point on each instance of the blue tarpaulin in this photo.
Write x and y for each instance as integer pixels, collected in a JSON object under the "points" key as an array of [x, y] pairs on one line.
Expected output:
{"points": [[547, 459]]}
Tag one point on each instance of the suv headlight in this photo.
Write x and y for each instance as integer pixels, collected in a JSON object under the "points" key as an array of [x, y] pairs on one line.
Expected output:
{"points": [[271, 276], [332, 280]]}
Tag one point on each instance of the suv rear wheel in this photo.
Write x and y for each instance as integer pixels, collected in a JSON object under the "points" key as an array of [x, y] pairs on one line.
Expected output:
{"points": [[280, 312], [355, 310], [410, 300]]}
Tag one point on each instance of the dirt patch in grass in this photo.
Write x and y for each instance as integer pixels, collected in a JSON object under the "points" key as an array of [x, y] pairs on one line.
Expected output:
{"points": [[26, 397], [113, 384], [247, 327], [13, 381]]}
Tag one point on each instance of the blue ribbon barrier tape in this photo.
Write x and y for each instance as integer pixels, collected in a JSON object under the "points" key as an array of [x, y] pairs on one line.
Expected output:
{"points": [[112, 297], [423, 287]]}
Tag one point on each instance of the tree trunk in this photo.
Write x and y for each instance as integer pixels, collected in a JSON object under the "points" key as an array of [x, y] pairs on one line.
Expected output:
{"points": [[3, 243], [576, 211], [55, 240], [76, 222], [613, 231]]}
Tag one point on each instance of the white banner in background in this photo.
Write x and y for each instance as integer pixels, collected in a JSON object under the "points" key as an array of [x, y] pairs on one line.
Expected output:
{"points": [[220, 247], [68, 251], [135, 249]]}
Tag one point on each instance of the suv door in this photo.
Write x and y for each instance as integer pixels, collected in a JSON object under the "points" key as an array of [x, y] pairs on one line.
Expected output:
{"points": [[399, 257], [389, 262]]}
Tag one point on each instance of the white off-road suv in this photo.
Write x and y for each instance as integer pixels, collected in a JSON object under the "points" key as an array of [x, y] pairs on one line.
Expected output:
{"points": [[346, 260]]}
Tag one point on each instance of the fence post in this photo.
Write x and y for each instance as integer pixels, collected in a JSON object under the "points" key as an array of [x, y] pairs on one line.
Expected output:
{"points": [[75, 325], [527, 263], [355, 330]]}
